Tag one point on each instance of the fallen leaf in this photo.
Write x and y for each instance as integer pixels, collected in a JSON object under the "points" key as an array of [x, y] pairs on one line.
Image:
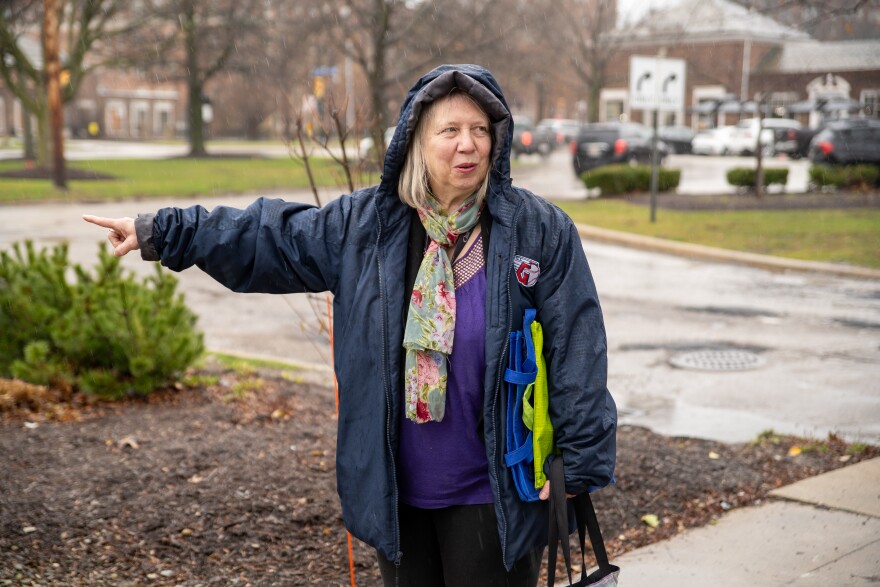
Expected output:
{"points": [[651, 520], [794, 451], [28, 529], [844, 458], [129, 442], [196, 479], [714, 455]]}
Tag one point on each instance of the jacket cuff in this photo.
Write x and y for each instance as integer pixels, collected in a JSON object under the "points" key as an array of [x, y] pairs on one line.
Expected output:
{"points": [[143, 228]]}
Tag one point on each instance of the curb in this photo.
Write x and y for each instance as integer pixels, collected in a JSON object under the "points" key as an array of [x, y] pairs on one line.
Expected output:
{"points": [[724, 255]]}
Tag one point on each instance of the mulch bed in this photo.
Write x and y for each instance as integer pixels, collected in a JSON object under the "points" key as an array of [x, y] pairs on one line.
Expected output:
{"points": [[232, 482]]}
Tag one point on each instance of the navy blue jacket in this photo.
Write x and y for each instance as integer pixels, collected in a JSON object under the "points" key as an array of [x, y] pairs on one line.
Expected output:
{"points": [[356, 247]]}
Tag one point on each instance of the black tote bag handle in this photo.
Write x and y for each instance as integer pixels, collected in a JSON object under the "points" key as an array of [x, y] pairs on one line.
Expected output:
{"points": [[587, 523]]}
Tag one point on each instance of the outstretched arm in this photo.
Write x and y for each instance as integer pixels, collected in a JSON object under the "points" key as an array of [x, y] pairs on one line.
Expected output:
{"points": [[122, 235]]}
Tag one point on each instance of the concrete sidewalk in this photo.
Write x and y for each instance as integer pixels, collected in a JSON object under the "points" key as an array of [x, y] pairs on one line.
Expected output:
{"points": [[823, 531]]}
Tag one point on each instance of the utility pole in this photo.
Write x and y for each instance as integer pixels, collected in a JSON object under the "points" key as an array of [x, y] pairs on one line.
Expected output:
{"points": [[53, 89]]}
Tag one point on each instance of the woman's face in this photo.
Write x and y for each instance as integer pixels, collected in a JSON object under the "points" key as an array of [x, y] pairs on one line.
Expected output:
{"points": [[457, 145]]}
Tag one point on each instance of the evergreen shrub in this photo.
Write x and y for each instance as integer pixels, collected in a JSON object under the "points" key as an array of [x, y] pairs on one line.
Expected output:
{"points": [[845, 176], [745, 176], [103, 333], [623, 179]]}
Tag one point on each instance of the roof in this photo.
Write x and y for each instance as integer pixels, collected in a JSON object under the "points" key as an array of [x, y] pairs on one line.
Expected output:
{"points": [[815, 57], [709, 20]]}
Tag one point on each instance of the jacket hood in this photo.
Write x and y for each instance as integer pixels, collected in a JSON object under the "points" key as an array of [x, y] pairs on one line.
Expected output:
{"points": [[478, 83]]}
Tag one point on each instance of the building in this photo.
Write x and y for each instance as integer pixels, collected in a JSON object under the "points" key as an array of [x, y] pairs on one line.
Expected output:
{"points": [[734, 57]]}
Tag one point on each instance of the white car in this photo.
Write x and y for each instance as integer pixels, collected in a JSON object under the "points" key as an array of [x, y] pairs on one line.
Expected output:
{"points": [[712, 141], [778, 135]]}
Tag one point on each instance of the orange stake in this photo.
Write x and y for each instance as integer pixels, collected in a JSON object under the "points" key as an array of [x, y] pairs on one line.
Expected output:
{"points": [[336, 388]]}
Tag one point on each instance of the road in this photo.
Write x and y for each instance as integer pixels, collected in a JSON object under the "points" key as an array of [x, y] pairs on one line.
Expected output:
{"points": [[817, 335]]}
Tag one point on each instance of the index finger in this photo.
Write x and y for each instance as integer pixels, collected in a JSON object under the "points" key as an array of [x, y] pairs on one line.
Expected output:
{"points": [[100, 221]]}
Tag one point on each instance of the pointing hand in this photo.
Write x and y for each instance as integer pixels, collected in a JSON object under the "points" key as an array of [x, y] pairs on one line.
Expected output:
{"points": [[122, 235]]}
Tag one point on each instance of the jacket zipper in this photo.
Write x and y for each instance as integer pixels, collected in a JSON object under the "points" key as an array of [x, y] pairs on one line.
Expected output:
{"points": [[498, 379], [382, 296]]}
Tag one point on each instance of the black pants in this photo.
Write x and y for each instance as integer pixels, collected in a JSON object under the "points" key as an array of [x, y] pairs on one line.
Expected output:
{"points": [[455, 547]]}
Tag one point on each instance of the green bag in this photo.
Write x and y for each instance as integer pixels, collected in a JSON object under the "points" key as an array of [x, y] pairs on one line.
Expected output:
{"points": [[536, 405]]}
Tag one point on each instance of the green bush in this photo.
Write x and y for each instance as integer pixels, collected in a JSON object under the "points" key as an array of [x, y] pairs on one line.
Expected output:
{"points": [[745, 176], [623, 179], [845, 176], [104, 334]]}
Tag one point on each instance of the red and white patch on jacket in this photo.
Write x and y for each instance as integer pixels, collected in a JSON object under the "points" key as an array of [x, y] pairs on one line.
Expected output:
{"points": [[527, 270]]}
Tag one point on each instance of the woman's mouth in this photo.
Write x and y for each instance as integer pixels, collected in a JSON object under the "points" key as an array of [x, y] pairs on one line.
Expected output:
{"points": [[466, 167]]}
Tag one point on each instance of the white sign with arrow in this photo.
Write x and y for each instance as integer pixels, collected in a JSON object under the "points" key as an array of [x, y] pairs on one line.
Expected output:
{"points": [[656, 83]]}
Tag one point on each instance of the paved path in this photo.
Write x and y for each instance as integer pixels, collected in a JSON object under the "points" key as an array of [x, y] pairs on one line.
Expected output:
{"points": [[826, 532]]}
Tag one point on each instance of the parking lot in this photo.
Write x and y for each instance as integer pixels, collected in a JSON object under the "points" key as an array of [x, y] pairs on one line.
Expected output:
{"points": [[554, 177]]}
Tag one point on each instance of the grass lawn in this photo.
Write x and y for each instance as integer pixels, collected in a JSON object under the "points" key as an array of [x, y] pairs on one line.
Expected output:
{"points": [[171, 177], [850, 236]]}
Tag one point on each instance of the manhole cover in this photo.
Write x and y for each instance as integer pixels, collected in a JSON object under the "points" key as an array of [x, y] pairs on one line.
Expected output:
{"points": [[718, 360]]}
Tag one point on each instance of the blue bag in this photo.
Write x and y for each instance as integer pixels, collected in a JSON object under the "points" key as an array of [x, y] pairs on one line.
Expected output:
{"points": [[522, 371]]}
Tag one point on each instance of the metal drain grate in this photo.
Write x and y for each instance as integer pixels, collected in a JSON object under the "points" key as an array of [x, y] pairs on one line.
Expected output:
{"points": [[718, 360]]}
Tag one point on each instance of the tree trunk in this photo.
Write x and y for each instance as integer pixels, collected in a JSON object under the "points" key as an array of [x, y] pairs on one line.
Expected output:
{"points": [[42, 117], [28, 138], [194, 83], [53, 91], [595, 88], [376, 75]]}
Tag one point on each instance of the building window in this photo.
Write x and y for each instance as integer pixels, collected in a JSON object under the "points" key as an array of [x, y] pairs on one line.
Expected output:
{"points": [[778, 103], [2, 116], [613, 110], [871, 103], [115, 118], [139, 110], [163, 120]]}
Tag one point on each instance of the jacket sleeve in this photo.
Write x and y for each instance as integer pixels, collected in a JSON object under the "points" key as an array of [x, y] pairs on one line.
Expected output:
{"points": [[272, 246], [582, 410]]}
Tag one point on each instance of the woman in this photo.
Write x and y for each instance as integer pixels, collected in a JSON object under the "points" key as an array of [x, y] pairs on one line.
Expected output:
{"points": [[430, 270]]}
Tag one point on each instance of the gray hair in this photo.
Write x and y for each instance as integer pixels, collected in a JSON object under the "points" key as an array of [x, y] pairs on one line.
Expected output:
{"points": [[413, 187]]}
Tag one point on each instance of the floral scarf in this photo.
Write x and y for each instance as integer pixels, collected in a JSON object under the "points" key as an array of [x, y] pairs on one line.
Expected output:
{"points": [[430, 323]]}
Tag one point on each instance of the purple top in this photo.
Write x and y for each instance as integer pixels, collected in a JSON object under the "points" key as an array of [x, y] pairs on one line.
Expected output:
{"points": [[444, 463]]}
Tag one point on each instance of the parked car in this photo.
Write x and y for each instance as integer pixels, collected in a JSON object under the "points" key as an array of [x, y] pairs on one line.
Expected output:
{"points": [[528, 139], [712, 141], [851, 140], [563, 129], [778, 135], [677, 137], [365, 147], [804, 138], [605, 143]]}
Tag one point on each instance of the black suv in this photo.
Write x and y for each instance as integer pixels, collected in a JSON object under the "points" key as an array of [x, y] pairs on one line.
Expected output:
{"points": [[528, 139], [605, 143], [851, 140]]}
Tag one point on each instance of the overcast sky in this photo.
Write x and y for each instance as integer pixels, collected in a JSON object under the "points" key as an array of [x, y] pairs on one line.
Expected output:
{"points": [[632, 10]]}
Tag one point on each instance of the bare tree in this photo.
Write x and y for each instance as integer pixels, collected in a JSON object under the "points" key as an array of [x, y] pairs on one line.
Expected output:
{"points": [[393, 41], [85, 23], [191, 41], [583, 34], [824, 19]]}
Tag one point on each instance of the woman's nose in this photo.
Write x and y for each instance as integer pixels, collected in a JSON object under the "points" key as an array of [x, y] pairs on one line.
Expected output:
{"points": [[466, 142]]}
